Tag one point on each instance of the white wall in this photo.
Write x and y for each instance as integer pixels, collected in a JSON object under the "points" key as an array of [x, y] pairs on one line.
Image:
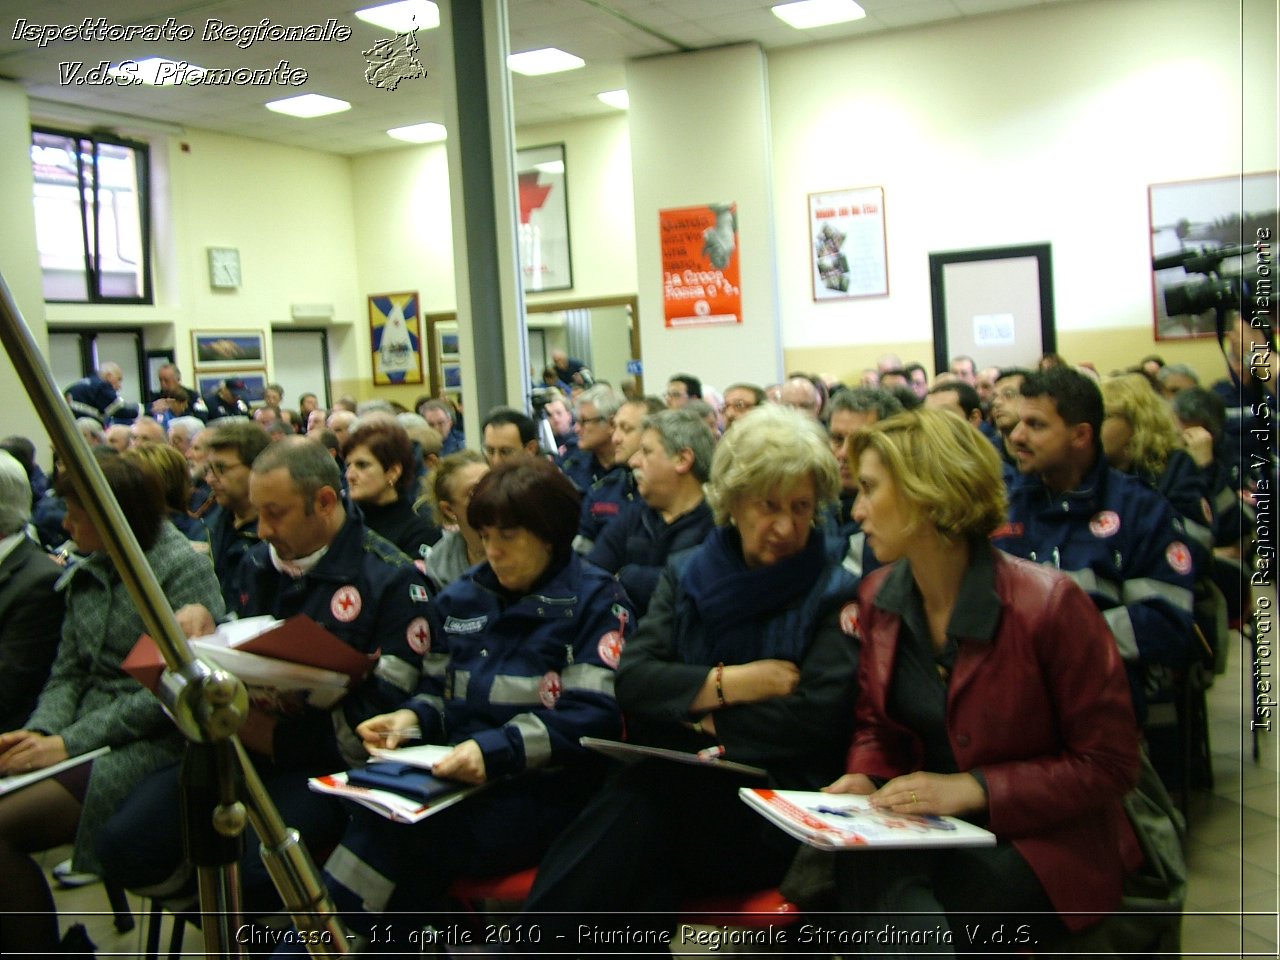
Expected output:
{"points": [[1041, 125]]}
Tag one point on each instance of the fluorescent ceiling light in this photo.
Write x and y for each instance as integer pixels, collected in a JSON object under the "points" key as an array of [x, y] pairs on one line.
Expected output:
{"points": [[308, 105], [534, 63], [807, 14], [157, 71], [403, 16], [615, 98], [420, 133]]}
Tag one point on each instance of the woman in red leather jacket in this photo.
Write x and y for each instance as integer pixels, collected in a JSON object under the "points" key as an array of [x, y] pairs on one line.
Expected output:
{"points": [[991, 690]]}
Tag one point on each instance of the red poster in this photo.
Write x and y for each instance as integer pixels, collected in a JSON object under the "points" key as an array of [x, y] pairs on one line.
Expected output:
{"points": [[700, 278]]}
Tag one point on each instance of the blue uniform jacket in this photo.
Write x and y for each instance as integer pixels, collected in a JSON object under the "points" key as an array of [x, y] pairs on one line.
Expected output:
{"points": [[604, 502], [846, 541], [369, 595], [525, 676], [636, 546], [582, 467], [1120, 541], [94, 397]]}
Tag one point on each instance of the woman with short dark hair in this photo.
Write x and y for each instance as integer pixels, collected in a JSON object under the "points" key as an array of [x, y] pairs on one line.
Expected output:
{"points": [[382, 471], [90, 702], [517, 667]]}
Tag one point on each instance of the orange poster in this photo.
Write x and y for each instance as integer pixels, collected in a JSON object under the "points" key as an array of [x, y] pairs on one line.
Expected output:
{"points": [[700, 285]]}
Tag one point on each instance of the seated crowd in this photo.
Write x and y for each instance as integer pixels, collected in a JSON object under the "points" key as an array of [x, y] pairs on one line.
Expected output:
{"points": [[960, 597]]}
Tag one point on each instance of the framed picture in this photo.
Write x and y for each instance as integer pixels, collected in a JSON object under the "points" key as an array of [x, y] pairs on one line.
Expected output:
{"points": [[544, 219], [452, 376], [449, 345], [395, 335], [995, 304], [848, 256], [228, 349], [1202, 235], [255, 383]]}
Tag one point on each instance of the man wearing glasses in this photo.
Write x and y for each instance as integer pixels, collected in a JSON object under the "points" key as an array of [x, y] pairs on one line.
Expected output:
{"points": [[739, 400], [681, 389], [233, 523]]}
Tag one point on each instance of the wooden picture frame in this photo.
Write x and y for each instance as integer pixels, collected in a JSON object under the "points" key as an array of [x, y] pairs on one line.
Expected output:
{"points": [[395, 338], [228, 349], [255, 383]]}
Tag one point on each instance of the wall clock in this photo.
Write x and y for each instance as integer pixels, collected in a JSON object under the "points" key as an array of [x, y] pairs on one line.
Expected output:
{"points": [[224, 268]]}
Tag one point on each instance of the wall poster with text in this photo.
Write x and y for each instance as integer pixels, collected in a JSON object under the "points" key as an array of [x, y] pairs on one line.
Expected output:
{"points": [[700, 271], [848, 257]]}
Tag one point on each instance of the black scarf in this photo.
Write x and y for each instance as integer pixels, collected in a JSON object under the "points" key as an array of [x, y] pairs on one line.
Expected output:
{"points": [[750, 614]]}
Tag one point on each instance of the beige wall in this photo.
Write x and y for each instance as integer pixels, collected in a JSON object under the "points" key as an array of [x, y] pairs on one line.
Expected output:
{"points": [[19, 261], [1040, 125], [1108, 350]]}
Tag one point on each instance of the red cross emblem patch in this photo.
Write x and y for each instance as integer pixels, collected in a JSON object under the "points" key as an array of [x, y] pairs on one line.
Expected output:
{"points": [[1179, 557], [346, 603], [849, 620], [549, 689], [419, 636], [610, 648], [1105, 523]]}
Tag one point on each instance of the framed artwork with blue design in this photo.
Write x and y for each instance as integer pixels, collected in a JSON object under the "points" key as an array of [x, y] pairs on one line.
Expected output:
{"points": [[395, 335]]}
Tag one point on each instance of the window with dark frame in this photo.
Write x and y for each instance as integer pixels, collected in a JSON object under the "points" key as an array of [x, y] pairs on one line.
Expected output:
{"points": [[93, 217]]}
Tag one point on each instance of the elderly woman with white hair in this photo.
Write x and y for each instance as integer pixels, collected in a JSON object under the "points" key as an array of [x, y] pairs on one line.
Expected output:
{"points": [[30, 610], [746, 650]]}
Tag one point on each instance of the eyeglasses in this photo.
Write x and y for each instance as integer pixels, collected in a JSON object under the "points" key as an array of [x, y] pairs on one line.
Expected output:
{"points": [[220, 469], [741, 404], [587, 421]]}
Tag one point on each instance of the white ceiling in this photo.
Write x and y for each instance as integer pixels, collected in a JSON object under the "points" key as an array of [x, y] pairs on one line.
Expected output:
{"points": [[606, 33]]}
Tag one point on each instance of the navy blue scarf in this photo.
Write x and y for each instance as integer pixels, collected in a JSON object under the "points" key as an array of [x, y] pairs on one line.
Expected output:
{"points": [[751, 614]]}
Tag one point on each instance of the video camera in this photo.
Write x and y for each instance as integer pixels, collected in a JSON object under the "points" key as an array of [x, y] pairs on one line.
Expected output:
{"points": [[1215, 290]]}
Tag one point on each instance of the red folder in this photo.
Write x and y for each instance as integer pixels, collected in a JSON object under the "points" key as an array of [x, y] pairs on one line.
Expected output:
{"points": [[297, 640]]}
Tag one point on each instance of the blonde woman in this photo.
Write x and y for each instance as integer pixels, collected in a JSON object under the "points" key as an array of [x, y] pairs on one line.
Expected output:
{"points": [[1141, 436], [990, 689], [449, 489]]}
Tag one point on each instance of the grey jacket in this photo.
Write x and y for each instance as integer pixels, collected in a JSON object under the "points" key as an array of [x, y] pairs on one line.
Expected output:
{"points": [[90, 701]]}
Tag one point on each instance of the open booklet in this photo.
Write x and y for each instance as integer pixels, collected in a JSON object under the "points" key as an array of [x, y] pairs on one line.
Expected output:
{"points": [[845, 821], [390, 804], [17, 781], [631, 752], [291, 657]]}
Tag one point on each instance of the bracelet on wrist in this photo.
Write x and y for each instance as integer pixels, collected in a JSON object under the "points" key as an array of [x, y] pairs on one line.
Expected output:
{"points": [[720, 685]]}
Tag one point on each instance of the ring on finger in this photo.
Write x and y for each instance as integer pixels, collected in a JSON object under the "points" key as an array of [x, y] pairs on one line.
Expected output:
{"points": [[914, 798]]}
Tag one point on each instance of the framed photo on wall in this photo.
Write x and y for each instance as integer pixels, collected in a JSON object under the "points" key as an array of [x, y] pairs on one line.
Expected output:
{"points": [[255, 383], [443, 345], [543, 234], [848, 256], [395, 336], [228, 349], [1202, 235], [994, 304]]}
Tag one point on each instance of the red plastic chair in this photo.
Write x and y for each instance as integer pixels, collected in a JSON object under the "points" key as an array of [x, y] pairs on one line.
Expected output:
{"points": [[761, 909]]}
